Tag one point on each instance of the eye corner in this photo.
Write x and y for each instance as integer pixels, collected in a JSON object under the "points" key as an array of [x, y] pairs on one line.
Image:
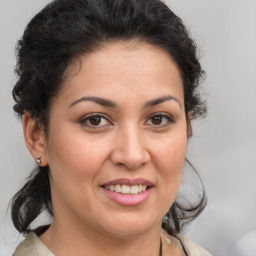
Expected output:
{"points": [[162, 120], [95, 121]]}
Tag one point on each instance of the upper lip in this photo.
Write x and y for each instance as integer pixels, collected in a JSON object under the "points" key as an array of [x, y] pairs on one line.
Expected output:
{"points": [[129, 182]]}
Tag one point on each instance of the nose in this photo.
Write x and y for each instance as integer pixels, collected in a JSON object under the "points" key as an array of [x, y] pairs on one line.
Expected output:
{"points": [[130, 149]]}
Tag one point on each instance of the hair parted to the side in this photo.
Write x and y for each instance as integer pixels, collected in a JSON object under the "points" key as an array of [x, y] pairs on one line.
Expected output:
{"points": [[62, 32]]}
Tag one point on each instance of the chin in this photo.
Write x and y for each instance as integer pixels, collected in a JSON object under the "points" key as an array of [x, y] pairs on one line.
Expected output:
{"points": [[128, 226]]}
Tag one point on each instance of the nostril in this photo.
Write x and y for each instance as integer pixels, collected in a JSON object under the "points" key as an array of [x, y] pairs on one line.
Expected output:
{"points": [[133, 167], [129, 158]]}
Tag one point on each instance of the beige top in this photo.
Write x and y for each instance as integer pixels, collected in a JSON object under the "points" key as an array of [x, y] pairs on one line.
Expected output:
{"points": [[33, 246]]}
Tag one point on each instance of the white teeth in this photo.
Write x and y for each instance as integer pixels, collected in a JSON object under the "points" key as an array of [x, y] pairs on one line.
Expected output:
{"points": [[126, 189], [112, 187], [134, 189], [118, 188]]}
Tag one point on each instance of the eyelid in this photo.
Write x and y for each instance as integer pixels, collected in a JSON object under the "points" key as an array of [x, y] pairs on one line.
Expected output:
{"points": [[169, 118], [85, 118]]}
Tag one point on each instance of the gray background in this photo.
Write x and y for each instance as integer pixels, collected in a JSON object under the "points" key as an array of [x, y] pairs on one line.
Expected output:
{"points": [[224, 144]]}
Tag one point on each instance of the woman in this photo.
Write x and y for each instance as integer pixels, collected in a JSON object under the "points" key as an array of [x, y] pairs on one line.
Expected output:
{"points": [[106, 91]]}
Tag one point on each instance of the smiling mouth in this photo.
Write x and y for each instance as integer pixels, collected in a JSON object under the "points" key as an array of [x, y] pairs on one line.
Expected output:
{"points": [[126, 189]]}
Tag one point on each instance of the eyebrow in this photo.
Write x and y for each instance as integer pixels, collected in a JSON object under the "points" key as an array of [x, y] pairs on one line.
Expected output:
{"points": [[160, 100], [98, 100], [108, 103]]}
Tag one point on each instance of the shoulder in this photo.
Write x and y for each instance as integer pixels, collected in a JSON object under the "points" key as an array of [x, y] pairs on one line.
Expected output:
{"points": [[191, 248], [32, 246]]}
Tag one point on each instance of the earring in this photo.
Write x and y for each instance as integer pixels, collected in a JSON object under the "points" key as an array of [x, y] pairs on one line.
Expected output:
{"points": [[38, 160]]}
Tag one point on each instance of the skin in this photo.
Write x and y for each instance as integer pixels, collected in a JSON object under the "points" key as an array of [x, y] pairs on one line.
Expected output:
{"points": [[127, 143]]}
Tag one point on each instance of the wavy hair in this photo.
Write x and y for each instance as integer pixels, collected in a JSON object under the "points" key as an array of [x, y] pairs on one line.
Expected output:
{"points": [[67, 29]]}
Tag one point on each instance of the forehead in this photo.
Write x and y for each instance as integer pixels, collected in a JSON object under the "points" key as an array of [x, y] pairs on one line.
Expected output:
{"points": [[121, 65]]}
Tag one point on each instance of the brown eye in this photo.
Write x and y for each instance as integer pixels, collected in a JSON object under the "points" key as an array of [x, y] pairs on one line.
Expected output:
{"points": [[159, 120], [156, 120], [95, 120]]}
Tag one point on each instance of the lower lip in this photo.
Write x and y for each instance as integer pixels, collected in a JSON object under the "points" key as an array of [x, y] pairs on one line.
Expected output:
{"points": [[128, 199]]}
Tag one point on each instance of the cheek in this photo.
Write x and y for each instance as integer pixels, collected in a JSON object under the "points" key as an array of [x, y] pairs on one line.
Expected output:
{"points": [[76, 156], [75, 164], [171, 156]]}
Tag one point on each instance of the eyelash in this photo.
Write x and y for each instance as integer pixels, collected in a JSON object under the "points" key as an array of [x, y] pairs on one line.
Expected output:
{"points": [[168, 119], [84, 121]]}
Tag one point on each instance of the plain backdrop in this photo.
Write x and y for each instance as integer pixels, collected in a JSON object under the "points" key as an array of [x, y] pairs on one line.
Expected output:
{"points": [[223, 148]]}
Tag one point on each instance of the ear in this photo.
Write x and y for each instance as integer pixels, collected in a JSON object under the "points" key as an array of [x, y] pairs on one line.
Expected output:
{"points": [[35, 138], [189, 127]]}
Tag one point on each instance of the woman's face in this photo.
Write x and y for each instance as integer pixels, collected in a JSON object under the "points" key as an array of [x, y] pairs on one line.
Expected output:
{"points": [[117, 140]]}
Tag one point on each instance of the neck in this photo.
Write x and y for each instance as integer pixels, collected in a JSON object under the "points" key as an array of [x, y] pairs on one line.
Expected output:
{"points": [[74, 241]]}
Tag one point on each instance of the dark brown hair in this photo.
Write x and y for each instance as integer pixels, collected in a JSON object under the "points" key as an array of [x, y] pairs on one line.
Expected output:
{"points": [[63, 31]]}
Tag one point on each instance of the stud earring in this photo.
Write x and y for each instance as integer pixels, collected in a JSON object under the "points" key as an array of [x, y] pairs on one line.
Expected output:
{"points": [[38, 160]]}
